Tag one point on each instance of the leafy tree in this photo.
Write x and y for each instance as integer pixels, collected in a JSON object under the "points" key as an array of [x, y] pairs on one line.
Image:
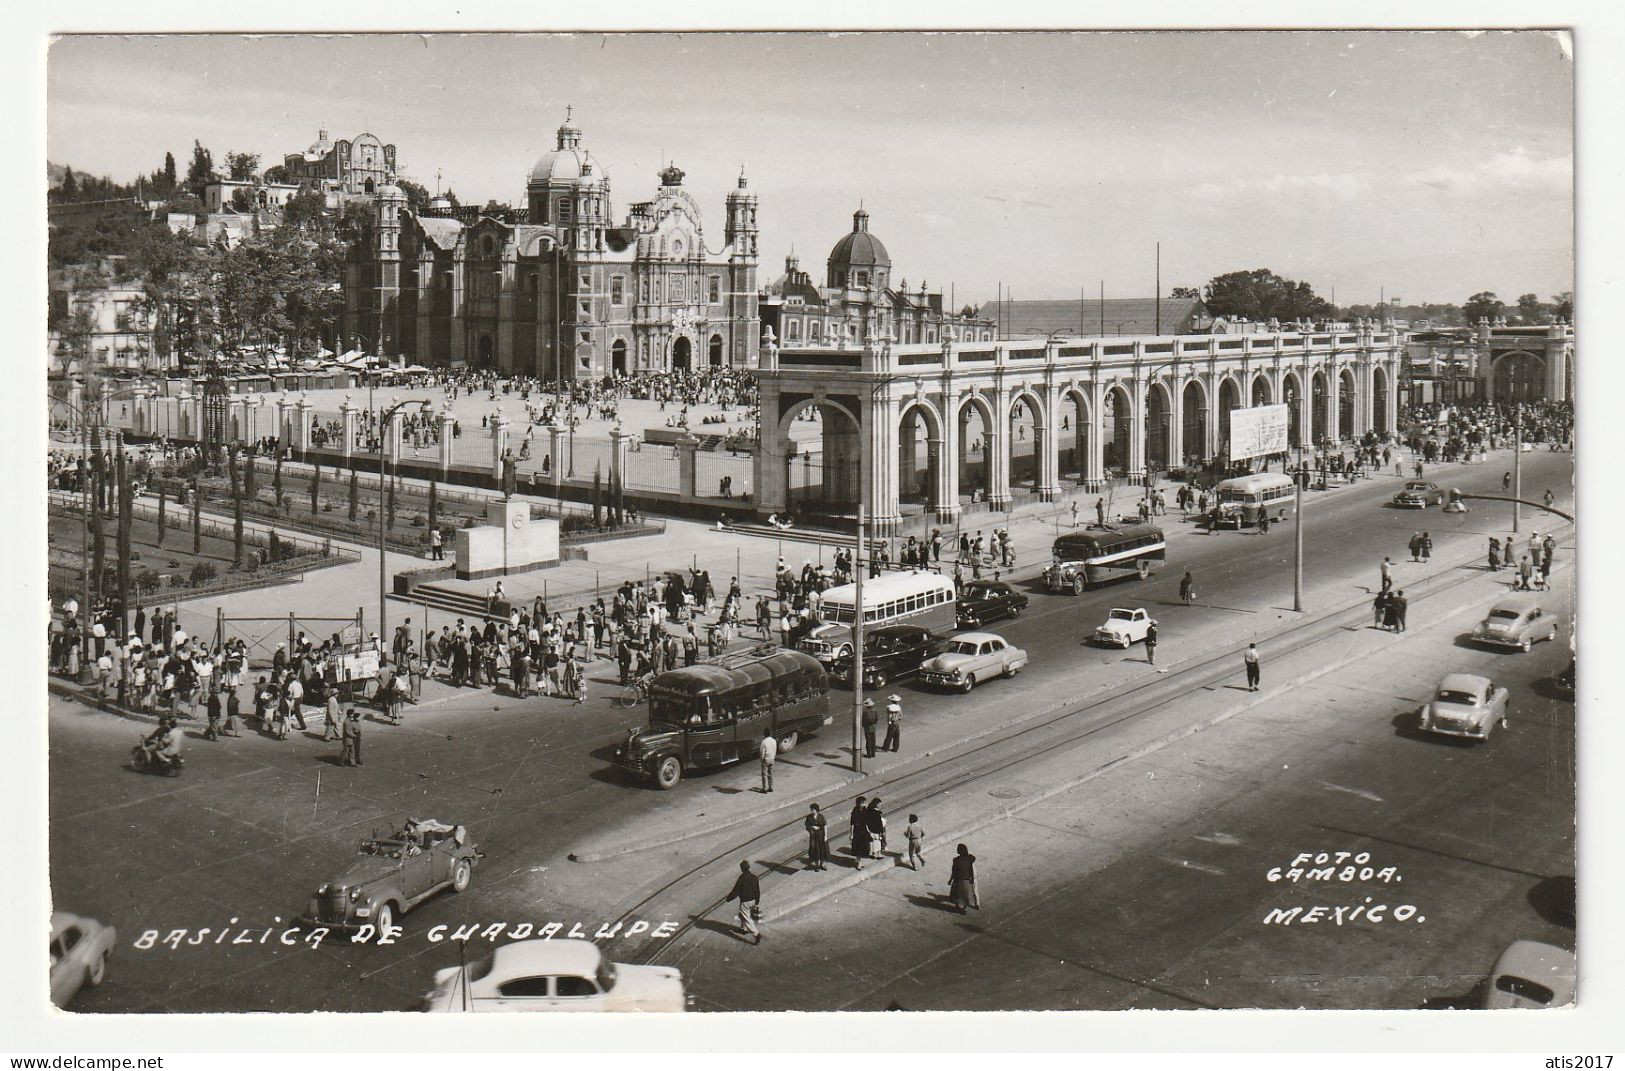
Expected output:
{"points": [[1260, 294], [201, 170], [1483, 305], [242, 200], [242, 166], [197, 516], [597, 497], [434, 505], [1185, 292], [236, 509], [69, 188], [1564, 303], [161, 499], [416, 195], [1531, 310], [166, 185], [452, 198], [354, 490]]}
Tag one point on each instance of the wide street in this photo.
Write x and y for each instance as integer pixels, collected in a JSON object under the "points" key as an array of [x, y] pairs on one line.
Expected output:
{"points": [[255, 824]]}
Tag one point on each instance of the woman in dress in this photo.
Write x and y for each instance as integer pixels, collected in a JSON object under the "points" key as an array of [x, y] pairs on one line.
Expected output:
{"points": [[859, 820], [876, 821]]}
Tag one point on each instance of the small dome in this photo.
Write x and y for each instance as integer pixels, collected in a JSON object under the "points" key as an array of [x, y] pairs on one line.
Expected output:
{"points": [[389, 192], [568, 162], [859, 248]]}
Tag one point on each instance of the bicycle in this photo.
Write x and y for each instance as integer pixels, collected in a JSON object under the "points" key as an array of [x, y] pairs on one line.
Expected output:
{"points": [[636, 691]]}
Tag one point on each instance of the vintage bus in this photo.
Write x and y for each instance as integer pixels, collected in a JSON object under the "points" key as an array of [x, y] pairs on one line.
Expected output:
{"points": [[1080, 560], [915, 596], [1243, 500], [714, 713]]}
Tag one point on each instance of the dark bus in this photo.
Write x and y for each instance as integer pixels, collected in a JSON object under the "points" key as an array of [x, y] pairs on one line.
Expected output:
{"points": [[715, 712], [1081, 560]]}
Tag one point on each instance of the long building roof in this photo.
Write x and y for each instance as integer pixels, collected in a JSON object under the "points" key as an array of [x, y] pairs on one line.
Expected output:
{"points": [[1128, 316]]}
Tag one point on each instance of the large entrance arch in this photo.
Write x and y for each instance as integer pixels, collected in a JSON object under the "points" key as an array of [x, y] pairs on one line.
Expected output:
{"points": [[975, 447], [1379, 401], [682, 354], [1318, 402], [617, 357], [1229, 398], [1193, 437], [1023, 429], [821, 472], [714, 351], [486, 353], [1071, 428], [1118, 419], [1347, 395], [1261, 392], [1158, 427], [919, 437], [1520, 376], [1292, 395]]}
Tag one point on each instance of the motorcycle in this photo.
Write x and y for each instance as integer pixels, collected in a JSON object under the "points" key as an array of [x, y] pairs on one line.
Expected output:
{"points": [[144, 758]]}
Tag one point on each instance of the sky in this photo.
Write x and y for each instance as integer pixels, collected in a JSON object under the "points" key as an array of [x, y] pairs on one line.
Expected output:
{"points": [[1420, 166]]}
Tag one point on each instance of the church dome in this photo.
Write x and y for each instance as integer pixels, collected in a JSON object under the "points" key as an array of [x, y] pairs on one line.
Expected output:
{"points": [[859, 249], [567, 162]]}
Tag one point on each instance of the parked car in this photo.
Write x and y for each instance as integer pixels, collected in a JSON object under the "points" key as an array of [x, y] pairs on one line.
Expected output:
{"points": [[1419, 494], [981, 601], [392, 875], [972, 657], [1123, 627], [79, 950], [1465, 705], [1519, 623], [556, 975], [1530, 974], [890, 653]]}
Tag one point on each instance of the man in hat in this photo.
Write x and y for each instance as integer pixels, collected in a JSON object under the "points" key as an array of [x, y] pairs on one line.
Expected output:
{"points": [[870, 720], [894, 723], [351, 740]]}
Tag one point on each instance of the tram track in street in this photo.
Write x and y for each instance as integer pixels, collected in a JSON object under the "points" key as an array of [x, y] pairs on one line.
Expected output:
{"points": [[1063, 727]]}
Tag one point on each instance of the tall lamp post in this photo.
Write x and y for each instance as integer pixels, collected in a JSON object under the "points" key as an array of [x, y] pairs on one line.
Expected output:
{"points": [[385, 460]]}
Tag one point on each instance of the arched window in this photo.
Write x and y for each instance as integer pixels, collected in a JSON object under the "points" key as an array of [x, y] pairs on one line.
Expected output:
{"points": [[792, 330], [716, 290]]}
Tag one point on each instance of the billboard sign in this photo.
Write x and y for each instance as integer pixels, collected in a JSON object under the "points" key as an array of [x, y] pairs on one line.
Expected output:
{"points": [[1258, 431]]}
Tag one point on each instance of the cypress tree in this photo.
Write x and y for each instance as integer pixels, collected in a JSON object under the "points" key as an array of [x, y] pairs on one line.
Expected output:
{"points": [[315, 487], [355, 490], [162, 497], [597, 497], [276, 477], [237, 510], [197, 517]]}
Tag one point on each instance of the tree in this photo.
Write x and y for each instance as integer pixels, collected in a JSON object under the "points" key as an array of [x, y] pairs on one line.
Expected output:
{"points": [[126, 501], [248, 477], [197, 516], [434, 505], [166, 184], [416, 195], [242, 200], [1260, 294], [597, 497], [161, 499], [315, 487], [201, 170], [1531, 310], [276, 476], [70, 185], [1185, 292], [1483, 305], [1564, 305], [242, 166], [354, 489]]}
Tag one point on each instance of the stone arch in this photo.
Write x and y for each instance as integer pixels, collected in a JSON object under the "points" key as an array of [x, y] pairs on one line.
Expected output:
{"points": [[714, 351], [1073, 426], [1025, 452], [1193, 436], [1229, 397], [1348, 394], [1292, 396], [975, 451], [1159, 431], [825, 481], [1319, 404], [1262, 391], [1518, 376], [1117, 426], [617, 357], [1379, 401], [917, 482], [682, 354]]}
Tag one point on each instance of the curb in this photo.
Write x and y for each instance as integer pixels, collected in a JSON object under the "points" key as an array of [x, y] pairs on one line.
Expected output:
{"points": [[1139, 752]]}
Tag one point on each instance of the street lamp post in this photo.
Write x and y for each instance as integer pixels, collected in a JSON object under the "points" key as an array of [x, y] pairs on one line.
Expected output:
{"points": [[1117, 325]]}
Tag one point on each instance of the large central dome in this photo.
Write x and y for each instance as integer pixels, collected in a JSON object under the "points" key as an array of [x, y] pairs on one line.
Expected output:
{"points": [[859, 249], [568, 162]]}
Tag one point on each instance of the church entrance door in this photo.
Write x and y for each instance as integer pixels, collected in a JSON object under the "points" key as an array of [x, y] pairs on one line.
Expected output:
{"points": [[682, 357]]}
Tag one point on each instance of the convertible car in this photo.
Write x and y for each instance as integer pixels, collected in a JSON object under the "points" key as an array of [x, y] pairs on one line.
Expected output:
{"points": [[392, 875]]}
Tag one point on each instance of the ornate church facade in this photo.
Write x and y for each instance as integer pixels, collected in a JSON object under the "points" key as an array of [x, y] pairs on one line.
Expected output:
{"points": [[557, 290]]}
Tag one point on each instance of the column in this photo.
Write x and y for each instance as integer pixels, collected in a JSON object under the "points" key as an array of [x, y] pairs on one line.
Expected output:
{"points": [[347, 419], [282, 407], [879, 438], [301, 430], [1210, 430], [1136, 441], [1334, 401], [555, 451], [686, 447], [76, 402], [1176, 423], [195, 408], [619, 444], [948, 462], [499, 443], [1094, 447], [446, 420]]}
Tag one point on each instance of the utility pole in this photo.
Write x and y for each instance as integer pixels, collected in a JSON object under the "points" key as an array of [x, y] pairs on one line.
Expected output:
{"points": [[1103, 308], [1517, 467], [857, 629], [1159, 288], [1297, 534]]}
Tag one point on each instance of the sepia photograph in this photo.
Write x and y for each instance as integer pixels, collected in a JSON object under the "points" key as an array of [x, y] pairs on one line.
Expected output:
{"points": [[893, 521]]}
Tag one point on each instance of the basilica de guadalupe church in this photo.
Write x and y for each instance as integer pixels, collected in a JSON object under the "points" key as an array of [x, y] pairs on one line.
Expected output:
{"points": [[557, 289]]}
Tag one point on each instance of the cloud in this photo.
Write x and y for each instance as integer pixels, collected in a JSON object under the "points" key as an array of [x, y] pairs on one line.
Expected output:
{"points": [[1502, 172], [1337, 186]]}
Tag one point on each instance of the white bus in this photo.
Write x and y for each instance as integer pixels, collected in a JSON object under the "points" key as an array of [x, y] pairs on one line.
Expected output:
{"points": [[918, 597], [1243, 500]]}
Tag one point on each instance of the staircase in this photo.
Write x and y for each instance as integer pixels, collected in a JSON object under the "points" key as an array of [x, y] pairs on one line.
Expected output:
{"points": [[810, 536], [463, 603]]}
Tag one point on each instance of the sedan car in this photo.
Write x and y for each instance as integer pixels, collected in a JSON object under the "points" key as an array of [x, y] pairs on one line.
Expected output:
{"points": [[1419, 494], [1465, 705], [1530, 974], [970, 658], [392, 875], [79, 950], [890, 653], [981, 601], [1123, 627], [559, 975], [1519, 623]]}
